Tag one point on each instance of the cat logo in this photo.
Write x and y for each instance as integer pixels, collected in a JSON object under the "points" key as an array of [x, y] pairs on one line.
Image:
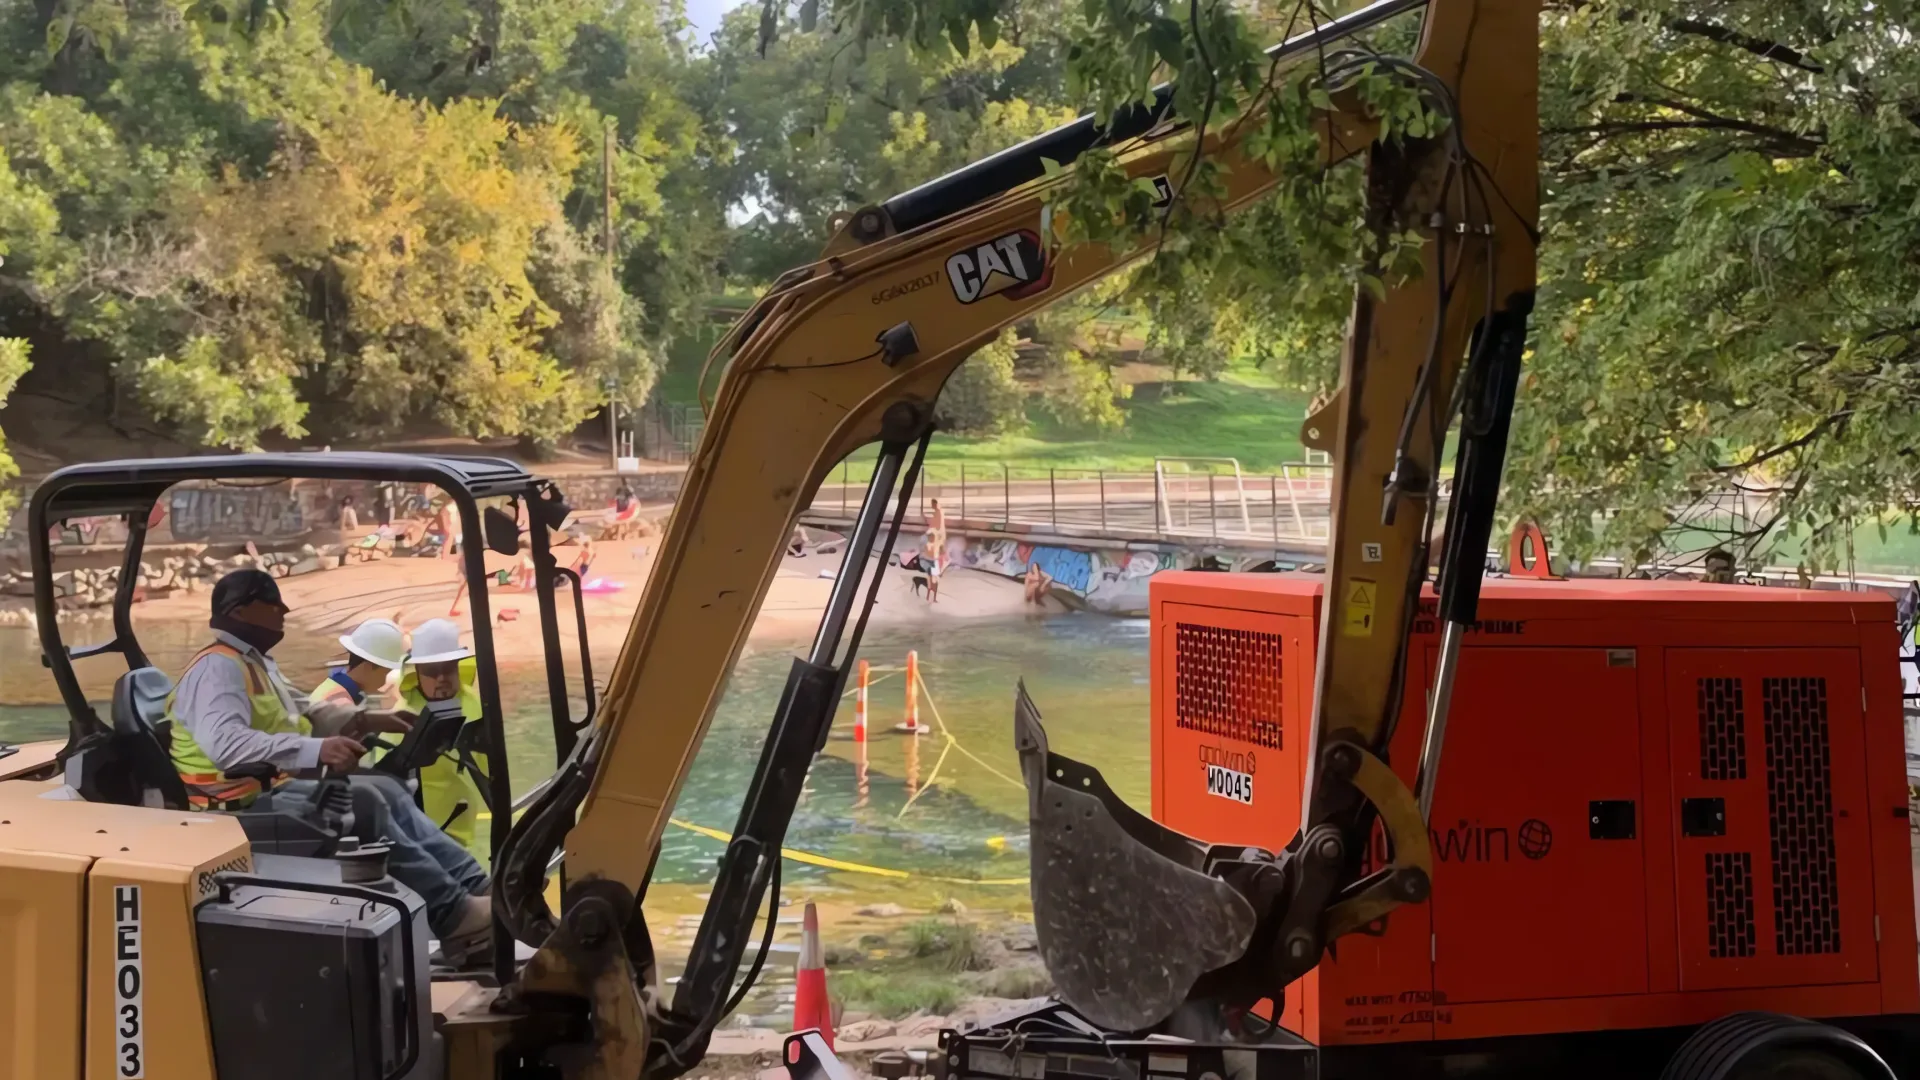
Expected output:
{"points": [[1013, 265]]}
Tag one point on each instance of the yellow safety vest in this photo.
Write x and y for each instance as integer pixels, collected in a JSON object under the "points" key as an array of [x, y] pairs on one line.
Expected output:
{"points": [[330, 690], [443, 786], [207, 786]]}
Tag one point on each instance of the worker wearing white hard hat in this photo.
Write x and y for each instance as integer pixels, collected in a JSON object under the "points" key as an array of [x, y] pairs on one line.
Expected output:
{"points": [[440, 668], [375, 651]]}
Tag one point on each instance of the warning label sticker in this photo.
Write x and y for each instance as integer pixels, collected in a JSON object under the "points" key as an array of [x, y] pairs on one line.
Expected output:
{"points": [[1357, 607]]}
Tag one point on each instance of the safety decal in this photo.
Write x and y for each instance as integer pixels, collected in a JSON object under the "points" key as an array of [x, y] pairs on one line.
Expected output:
{"points": [[129, 1036], [1358, 608], [1014, 265]]}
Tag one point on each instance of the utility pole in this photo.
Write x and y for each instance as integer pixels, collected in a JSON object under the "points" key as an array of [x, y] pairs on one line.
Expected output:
{"points": [[606, 239]]}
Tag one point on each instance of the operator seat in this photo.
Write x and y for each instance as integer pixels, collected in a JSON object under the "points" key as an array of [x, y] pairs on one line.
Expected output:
{"points": [[142, 756], [143, 738]]}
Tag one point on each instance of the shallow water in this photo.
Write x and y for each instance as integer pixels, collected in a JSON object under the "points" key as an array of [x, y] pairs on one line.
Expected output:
{"points": [[945, 807]]}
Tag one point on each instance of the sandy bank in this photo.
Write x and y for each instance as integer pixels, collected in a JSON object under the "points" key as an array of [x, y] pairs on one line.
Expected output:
{"points": [[412, 590]]}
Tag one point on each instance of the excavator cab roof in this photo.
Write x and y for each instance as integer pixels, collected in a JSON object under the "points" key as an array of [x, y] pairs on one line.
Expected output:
{"points": [[129, 489]]}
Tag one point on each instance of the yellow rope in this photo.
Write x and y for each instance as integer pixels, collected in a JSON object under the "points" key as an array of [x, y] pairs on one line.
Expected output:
{"points": [[924, 788], [811, 859], [951, 741], [870, 683], [850, 867]]}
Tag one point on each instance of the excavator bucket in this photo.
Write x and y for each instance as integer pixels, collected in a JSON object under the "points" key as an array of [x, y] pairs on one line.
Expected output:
{"points": [[1127, 915]]}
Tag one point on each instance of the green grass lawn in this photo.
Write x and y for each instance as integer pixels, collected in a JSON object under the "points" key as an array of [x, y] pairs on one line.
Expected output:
{"points": [[1244, 415], [1259, 426]]}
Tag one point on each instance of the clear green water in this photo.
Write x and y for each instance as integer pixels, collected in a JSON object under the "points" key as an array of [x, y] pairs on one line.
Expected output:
{"points": [[1087, 673]]}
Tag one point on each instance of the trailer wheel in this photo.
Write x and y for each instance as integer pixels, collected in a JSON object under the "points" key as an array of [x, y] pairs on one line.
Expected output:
{"points": [[1770, 1046], [1794, 1064]]}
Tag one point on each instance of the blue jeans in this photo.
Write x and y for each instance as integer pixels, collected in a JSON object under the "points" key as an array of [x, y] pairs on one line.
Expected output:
{"points": [[423, 858]]}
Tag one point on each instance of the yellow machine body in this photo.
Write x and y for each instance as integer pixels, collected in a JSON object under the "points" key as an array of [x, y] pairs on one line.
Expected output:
{"points": [[99, 976]]}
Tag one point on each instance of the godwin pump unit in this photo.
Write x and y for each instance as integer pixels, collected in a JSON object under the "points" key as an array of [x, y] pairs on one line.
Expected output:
{"points": [[1659, 803]]}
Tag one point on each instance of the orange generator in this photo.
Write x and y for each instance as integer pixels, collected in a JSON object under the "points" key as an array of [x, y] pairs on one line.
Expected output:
{"points": [[1658, 804]]}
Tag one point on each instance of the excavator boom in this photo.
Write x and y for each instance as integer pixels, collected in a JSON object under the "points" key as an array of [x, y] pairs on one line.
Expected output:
{"points": [[854, 349]]}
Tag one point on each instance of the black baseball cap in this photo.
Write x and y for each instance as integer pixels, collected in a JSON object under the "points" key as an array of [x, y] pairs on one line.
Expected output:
{"points": [[243, 587]]}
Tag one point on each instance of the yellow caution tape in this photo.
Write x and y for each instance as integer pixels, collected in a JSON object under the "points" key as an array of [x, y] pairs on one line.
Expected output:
{"points": [[811, 859]]}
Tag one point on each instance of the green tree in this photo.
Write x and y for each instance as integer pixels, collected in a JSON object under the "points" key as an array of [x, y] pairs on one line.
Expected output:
{"points": [[983, 396], [1728, 283], [15, 359], [294, 222], [824, 121], [1081, 395], [1728, 297]]}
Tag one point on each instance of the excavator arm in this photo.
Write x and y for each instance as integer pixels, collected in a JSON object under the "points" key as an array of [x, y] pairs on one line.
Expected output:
{"points": [[853, 350]]}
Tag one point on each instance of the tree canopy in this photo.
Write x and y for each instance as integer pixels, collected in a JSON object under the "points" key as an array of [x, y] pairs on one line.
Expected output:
{"points": [[1729, 299], [317, 217], [345, 217]]}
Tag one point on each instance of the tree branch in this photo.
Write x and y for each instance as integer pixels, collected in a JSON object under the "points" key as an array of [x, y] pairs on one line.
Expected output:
{"points": [[1766, 50], [1813, 435], [1641, 127]]}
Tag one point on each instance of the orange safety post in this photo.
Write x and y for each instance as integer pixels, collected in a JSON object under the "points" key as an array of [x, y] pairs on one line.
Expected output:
{"points": [[860, 705], [912, 724]]}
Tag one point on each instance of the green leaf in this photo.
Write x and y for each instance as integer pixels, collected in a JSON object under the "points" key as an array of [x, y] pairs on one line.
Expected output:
{"points": [[58, 29], [1168, 41]]}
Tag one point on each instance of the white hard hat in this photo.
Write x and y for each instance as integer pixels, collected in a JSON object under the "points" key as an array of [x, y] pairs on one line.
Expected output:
{"points": [[437, 641], [377, 641]]}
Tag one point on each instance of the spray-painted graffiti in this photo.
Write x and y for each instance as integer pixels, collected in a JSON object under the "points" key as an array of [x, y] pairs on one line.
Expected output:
{"points": [[90, 530], [1113, 580], [1068, 568], [221, 513]]}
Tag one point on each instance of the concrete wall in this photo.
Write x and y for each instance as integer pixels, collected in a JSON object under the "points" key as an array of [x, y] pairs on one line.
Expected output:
{"points": [[1111, 579], [275, 514]]}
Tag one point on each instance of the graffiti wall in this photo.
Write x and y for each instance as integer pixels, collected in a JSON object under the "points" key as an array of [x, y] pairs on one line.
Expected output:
{"points": [[1110, 580], [228, 513]]}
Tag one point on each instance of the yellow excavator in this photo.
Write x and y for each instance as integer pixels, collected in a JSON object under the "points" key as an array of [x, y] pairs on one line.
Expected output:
{"points": [[139, 941]]}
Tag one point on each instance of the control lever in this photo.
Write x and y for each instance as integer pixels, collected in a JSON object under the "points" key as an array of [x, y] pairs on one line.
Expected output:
{"points": [[432, 735], [331, 804]]}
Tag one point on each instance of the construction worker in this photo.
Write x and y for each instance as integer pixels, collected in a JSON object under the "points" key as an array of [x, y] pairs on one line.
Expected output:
{"points": [[375, 652], [442, 669], [233, 709]]}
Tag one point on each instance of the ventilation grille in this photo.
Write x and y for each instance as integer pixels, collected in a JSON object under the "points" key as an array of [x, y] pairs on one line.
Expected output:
{"points": [[1729, 904], [1723, 735], [1806, 894], [1227, 683]]}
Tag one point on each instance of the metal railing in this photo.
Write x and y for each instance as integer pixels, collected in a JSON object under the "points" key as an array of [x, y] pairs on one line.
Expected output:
{"points": [[667, 432], [1288, 505]]}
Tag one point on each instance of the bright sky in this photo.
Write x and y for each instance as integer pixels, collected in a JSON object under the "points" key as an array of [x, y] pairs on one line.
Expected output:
{"points": [[705, 16]]}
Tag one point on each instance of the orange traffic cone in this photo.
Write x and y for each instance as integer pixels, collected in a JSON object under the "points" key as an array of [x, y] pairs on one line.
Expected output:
{"points": [[811, 1009]]}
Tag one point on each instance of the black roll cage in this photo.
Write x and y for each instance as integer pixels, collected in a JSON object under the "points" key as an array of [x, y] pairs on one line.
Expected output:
{"points": [[130, 488]]}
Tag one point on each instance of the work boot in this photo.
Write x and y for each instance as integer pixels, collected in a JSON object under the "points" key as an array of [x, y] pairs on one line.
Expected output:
{"points": [[470, 942]]}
